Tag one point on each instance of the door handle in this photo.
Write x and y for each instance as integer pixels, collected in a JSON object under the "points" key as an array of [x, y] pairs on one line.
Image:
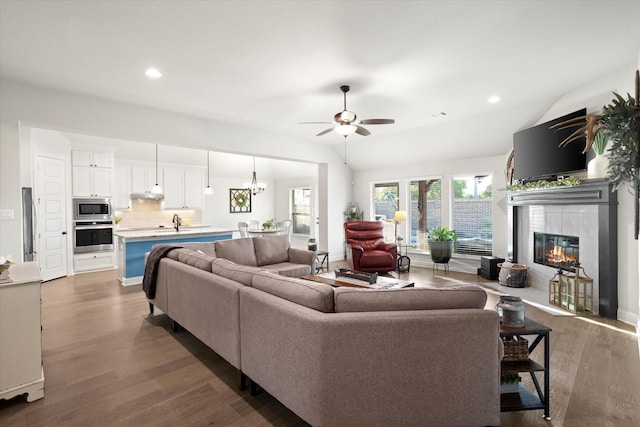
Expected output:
{"points": [[64, 233]]}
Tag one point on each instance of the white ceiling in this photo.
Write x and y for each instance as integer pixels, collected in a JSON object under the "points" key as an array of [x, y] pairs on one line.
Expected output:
{"points": [[272, 64]]}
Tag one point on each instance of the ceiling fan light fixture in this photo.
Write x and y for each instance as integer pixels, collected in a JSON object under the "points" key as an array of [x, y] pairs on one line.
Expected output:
{"points": [[347, 116], [346, 130]]}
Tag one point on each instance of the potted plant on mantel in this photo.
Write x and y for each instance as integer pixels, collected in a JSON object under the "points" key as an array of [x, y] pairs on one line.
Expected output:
{"points": [[620, 123], [441, 241]]}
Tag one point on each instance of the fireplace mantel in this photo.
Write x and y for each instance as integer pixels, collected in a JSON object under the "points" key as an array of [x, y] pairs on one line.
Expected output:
{"points": [[590, 192]]}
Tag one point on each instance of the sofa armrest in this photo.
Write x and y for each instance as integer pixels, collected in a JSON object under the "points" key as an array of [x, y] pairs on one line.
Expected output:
{"points": [[303, 256]]}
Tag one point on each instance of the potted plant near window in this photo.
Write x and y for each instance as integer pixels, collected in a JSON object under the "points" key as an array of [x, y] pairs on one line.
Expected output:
{"points": [[441, 241]]}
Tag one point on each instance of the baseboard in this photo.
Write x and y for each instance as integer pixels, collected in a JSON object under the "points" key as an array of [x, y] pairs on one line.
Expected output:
{"points": [[630, 318]]}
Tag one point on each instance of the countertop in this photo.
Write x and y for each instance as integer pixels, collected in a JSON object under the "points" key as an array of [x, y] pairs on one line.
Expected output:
{"points": [[171, 232]]}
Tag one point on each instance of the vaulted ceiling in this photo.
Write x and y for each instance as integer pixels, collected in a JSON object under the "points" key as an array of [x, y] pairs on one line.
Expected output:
{"points": [[272, 64]]}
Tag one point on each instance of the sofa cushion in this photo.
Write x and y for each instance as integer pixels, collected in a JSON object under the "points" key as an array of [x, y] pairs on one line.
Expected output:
{"points": [[271, 249], [290, 269], [192, 258], [317, 296], [206, 248], [240, 251], [237, 272], [352, 299]]}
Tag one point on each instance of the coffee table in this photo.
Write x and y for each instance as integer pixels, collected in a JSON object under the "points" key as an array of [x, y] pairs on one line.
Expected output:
{"points": [[383, 282]]}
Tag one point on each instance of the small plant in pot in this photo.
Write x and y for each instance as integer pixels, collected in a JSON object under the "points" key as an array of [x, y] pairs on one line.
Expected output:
{"points": [[269, 224], [441, 241], [509, 382]]}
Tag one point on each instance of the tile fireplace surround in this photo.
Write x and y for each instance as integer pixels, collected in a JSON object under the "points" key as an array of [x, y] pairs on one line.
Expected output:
{"points": [[588, 211]]}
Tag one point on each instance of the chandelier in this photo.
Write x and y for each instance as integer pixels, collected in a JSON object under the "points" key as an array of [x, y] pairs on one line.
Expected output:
{"points": [[255, 187]]}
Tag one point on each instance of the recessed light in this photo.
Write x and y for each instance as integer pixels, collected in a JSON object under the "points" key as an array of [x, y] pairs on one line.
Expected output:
{"points": [[493, 99], [153, 73], [438, 115]]}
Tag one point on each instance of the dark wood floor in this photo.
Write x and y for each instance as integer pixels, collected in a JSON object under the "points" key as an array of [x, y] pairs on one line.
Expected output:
{"points": [[107, 362]]}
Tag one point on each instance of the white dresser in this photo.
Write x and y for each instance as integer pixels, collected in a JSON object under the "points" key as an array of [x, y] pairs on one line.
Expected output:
{"points": [[20, 333]]}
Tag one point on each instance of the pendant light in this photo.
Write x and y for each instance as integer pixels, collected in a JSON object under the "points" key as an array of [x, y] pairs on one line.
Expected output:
{"points": [[208, 190], [156, 188], [255, 187]]}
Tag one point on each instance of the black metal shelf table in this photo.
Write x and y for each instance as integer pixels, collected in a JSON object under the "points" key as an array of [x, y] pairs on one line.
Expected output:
{"points": [[525, 399], [322, 261]]}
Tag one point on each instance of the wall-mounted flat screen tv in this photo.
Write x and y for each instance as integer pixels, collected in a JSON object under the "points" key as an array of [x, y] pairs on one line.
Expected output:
{"points": [[537, 154]]}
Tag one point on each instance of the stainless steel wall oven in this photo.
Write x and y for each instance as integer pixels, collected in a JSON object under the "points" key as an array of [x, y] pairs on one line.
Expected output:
{"points": [[92, 236], [92, 225]]}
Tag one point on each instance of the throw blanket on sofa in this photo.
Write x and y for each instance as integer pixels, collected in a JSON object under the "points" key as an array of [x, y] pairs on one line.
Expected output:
{"points": [[151, 267]]}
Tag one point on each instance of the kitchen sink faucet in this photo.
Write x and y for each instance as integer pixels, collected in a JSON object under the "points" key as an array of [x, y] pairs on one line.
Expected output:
{"points": [[176, 221]]}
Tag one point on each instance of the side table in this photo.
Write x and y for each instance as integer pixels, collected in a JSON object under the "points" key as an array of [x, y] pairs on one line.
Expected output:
{"points": [[525, 399], [322, 261], [404, 262]]}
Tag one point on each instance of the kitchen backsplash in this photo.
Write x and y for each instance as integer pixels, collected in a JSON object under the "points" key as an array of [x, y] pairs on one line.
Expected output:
{"points": [[149, 214]]}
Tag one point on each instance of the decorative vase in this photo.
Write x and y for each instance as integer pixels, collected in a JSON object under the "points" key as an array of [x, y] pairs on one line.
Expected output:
{"points": [[441, 251], [597, 167]]}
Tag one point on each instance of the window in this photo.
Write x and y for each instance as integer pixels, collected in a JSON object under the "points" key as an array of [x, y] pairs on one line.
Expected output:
{"points": [[301, 210], [425, 210], [472, 214], [386, 200]]}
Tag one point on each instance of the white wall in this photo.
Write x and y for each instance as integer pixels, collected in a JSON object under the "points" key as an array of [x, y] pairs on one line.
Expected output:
{"points": [[52, 109]]}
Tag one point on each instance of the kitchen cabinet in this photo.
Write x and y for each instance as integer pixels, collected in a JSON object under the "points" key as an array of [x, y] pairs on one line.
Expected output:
{"points": [[143, 179], [92, 159], [92, 174], [94, 261], [183, 188], [20, 333], [122, 190]]}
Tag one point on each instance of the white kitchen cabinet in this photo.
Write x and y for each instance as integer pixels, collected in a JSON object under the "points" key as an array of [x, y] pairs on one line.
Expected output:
{"points": [[92, 174], [20, 334], [122, 190], [92, 159], [143, 179], [93, 261], [183, 188]]}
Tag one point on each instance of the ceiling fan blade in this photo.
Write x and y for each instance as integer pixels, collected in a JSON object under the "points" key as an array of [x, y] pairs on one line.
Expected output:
{"points": [[362, 131], [325, 131], [314, 123], [377, 121]]}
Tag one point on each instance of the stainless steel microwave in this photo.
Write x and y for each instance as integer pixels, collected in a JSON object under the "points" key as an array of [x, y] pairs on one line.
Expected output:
{"points": [[92, 210]]}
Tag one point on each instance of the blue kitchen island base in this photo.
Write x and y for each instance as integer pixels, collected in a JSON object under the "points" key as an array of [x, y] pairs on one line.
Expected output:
{"points": [[132, 250]]}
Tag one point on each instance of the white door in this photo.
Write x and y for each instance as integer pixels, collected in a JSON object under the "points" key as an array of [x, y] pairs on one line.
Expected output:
{"points": [[52, 217]]}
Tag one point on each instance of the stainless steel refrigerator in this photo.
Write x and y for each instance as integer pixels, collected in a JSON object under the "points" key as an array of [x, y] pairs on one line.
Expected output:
{"points": [[28, 224]]}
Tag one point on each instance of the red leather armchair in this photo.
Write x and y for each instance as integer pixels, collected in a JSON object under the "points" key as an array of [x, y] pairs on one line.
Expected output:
{"points": [[369, 252]]}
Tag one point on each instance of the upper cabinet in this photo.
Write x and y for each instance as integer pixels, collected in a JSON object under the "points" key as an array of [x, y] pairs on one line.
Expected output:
{"points": [[122, 191], [143, 178], [92, 174], [183, 188]]}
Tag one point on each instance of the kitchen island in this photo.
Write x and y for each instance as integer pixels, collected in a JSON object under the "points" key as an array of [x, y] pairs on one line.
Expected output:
{"points": [[134, 244]]}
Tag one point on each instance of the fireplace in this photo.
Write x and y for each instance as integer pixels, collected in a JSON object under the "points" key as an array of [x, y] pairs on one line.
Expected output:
{"points": [[587, 211], [556, 250]]}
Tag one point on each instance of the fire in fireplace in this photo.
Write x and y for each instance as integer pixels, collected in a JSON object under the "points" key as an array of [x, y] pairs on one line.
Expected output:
{"points": [[556, 250]]}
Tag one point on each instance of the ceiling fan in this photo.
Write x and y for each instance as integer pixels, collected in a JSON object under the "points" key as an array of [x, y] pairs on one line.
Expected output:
{"points": [[345, 122]]}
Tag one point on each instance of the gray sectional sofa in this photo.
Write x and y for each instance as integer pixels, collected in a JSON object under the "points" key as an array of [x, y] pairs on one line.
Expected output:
{"points": [[337, 356]]}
